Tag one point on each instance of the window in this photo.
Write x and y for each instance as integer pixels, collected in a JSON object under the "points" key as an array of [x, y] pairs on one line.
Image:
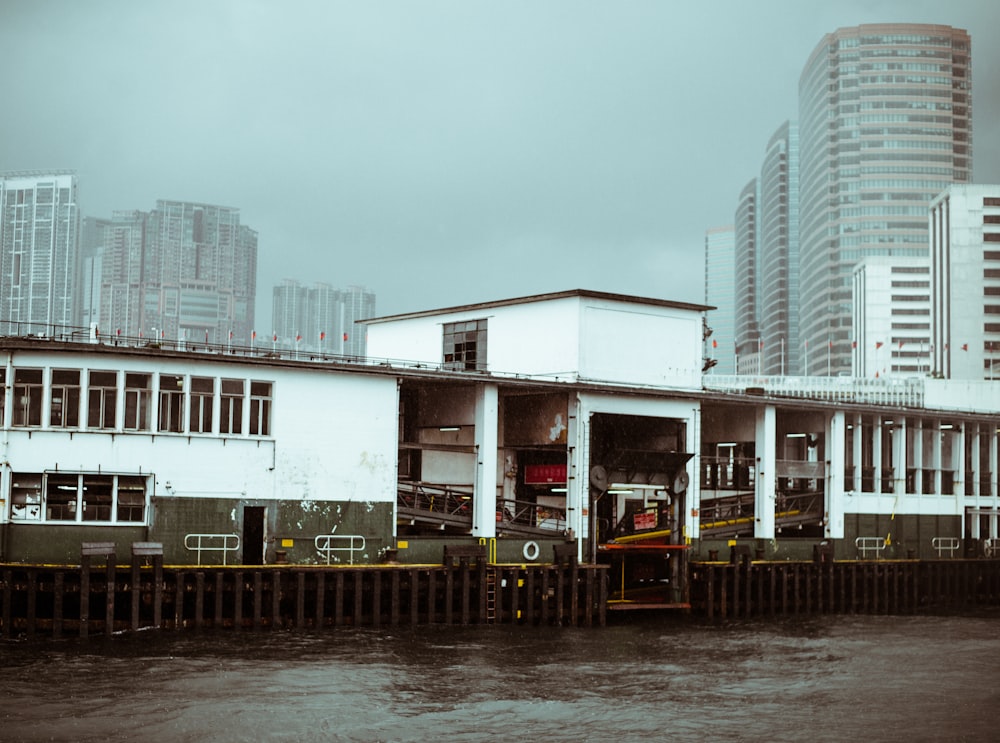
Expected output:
{"points": [[171, 403], [64, 408], [101, 398], [260, 408], [202, 392], [61, 497], [26, 497], [231, 413], [137, 400], [28, 397], [131, 498], [98, 495], [465, 345]]}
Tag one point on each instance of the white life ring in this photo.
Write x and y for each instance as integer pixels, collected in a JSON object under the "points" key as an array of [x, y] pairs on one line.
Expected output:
{"points": [[530, 551]]}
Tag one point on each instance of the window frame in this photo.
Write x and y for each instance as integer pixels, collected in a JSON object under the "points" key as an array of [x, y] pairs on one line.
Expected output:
{"points": [[106, 397], [464, 345], [28, 397]]}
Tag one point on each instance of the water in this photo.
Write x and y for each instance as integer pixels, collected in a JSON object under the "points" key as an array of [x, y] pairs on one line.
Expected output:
{"points": [[818, 679]]}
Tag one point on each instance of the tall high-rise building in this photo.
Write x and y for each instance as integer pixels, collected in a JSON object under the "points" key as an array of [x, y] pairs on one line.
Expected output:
{"points": [[320, 318], [720, 277], [885, 123], [94, 234], [358, 304], [39, 242], [748, 340], [778, 250], [965, 278], [185, 271]]}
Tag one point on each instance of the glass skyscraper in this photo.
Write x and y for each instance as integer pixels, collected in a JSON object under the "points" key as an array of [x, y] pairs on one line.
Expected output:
{"points": [[885, 124], [720, 278], [778, 246]]}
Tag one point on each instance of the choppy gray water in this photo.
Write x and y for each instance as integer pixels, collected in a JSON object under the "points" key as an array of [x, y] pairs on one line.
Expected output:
{"points": [[822, 678]]}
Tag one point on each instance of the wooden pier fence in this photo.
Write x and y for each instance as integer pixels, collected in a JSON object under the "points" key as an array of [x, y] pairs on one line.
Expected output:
{"points": [[102, 599], [760, 589]]}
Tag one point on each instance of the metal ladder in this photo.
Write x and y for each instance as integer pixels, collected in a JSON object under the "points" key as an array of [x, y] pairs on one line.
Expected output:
{"points": [[491, 595]]}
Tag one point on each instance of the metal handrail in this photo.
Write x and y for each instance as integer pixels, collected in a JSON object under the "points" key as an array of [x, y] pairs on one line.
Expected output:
{"points": [[991, 547], [323, 546], [945, 544], [870, 544], [529, 513], [449, 500], [225, 548]]}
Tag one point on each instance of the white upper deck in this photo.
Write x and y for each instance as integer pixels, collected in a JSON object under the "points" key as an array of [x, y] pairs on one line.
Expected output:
{"points": [[568, 336]]}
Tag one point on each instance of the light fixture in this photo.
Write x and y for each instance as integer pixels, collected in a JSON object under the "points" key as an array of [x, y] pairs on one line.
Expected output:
{"points": [[450, 428], [557, 490]]}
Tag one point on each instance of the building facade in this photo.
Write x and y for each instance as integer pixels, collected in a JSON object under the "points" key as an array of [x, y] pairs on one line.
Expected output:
{"points": [[251, 457], [185, 271], [748, 339], [321, 318], [778, 279], [891, 327], [965, 274], [39, 243], [720, 278], [885, 123]]}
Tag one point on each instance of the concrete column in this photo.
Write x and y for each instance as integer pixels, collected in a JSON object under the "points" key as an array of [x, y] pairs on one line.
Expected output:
{"points": [[484, 496], [857, 453], [834, 502], [577, 476], [766, 452], [899, 457], [877, 464]]}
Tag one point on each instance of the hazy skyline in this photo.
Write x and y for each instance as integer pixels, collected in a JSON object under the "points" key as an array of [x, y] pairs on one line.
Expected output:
{"points": [[438, 153]]}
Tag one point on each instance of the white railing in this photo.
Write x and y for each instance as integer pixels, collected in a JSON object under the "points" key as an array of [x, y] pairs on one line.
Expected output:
{"points": [[907, 391], [945, 544], [866, 545], [324, 545], [229, 543], [991, 547]]}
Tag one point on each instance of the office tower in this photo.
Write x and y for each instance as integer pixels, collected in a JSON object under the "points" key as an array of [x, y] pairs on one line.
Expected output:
{"points": [[965, 276], [720, 278], [748, 340], [185, 271], [39, 240], [884, 125], [778, 249]]}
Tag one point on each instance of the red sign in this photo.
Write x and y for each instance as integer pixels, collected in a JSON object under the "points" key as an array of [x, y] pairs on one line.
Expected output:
{"points": [[642, 521], [545, 474]]}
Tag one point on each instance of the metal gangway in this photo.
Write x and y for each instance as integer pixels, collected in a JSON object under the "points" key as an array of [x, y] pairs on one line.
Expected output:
{"points": [[435, 504]]}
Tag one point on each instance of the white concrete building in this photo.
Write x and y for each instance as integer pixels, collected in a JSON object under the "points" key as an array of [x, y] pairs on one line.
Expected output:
{"points": [[965, 271]]}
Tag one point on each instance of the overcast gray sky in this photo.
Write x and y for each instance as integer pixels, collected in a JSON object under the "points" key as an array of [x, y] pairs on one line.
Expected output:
{"points": [[439, 152]]}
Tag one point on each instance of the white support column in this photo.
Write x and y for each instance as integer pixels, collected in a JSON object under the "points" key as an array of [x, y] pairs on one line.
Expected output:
{"points": [[766, 452], [484, 496], [577, 476], [834, 502], [858, 454], [691, 518], [899, 458], [878, 430]]}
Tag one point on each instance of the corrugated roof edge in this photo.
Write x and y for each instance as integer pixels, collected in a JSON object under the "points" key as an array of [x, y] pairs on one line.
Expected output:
{"points": [[541, 298]]}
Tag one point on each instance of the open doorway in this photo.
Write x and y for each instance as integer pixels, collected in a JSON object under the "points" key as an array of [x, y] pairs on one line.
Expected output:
{"points": [[253, 535]]}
